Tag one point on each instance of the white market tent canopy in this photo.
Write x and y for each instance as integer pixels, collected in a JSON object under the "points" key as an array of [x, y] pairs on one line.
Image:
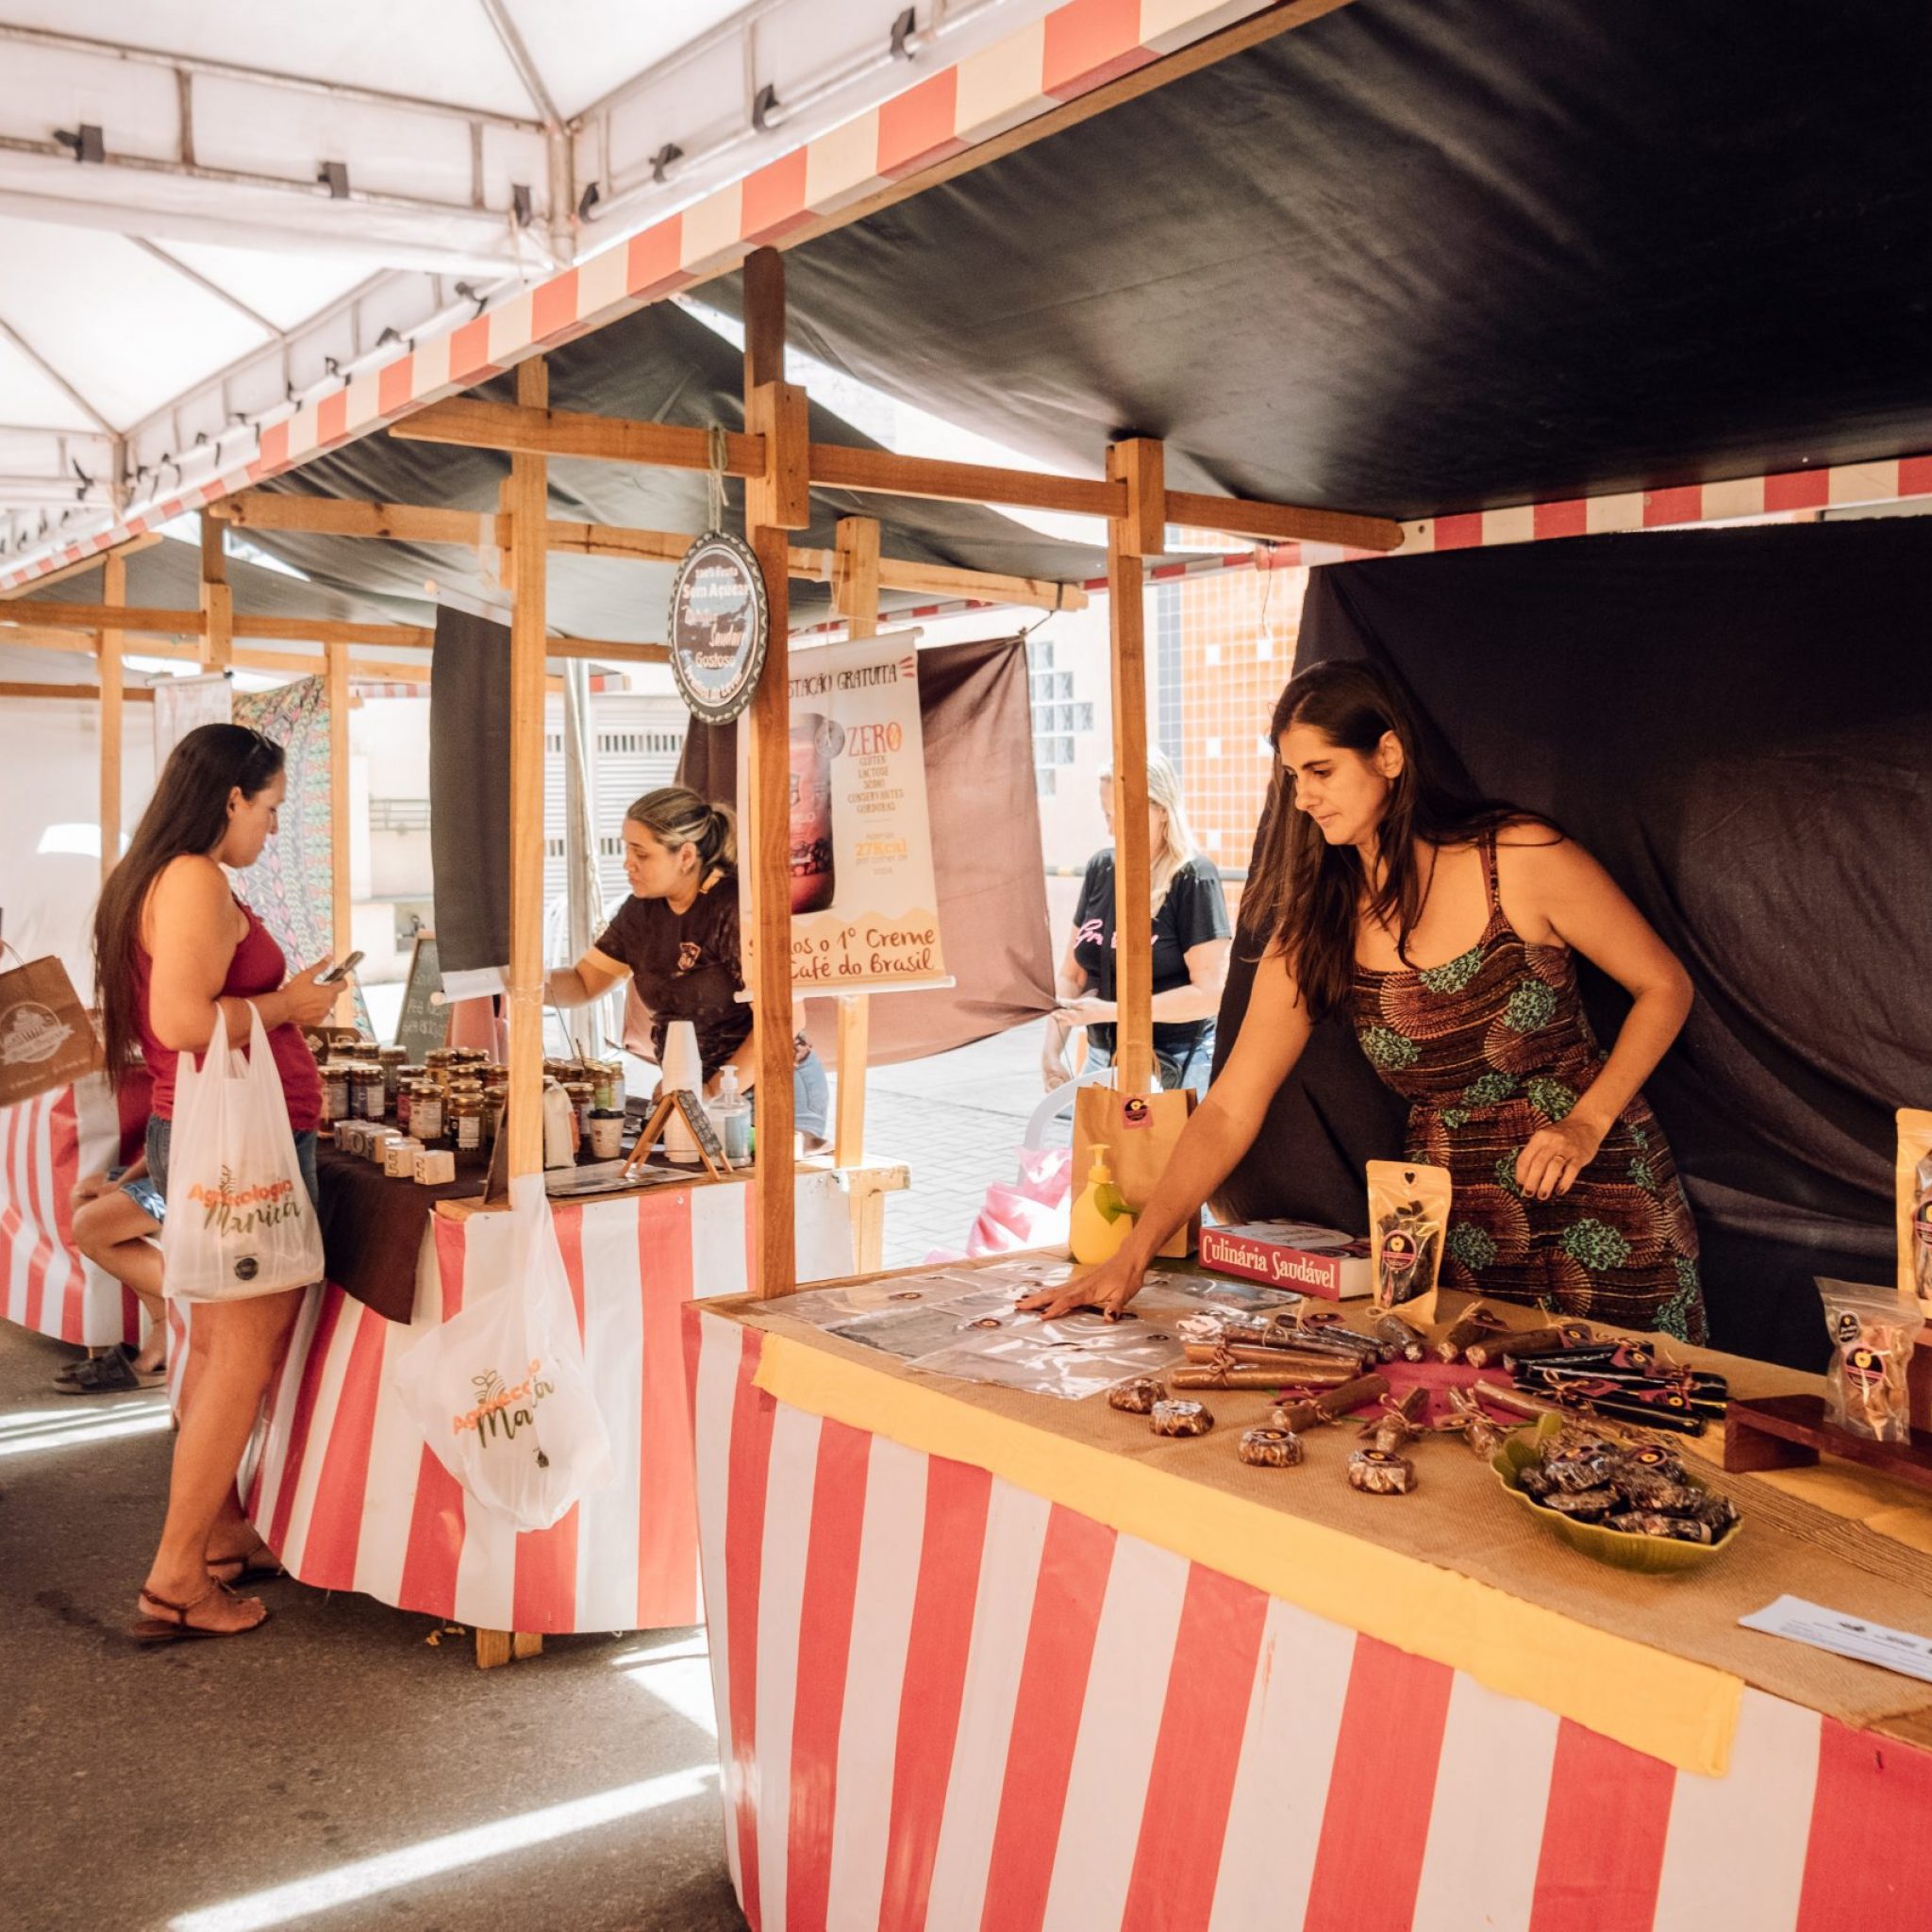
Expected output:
{"points": [[212, 211]]}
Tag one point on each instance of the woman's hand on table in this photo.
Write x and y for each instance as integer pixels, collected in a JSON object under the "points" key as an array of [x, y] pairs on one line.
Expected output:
{"points": [[1552, 1157], [1107, 1287]]}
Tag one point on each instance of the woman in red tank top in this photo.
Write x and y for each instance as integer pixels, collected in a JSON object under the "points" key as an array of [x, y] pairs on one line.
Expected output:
{"points": [[173, 945]]}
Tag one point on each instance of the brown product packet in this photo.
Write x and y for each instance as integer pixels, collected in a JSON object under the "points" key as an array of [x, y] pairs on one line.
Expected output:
{"points": [[1408, 1216], [1915, 1208]]}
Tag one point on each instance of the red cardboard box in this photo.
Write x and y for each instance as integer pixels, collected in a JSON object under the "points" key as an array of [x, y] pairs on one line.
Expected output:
{"points": [[1294, 1255]]}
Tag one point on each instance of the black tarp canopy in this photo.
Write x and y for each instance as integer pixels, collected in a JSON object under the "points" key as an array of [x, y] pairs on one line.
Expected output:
{"points": [[1416, 260]]}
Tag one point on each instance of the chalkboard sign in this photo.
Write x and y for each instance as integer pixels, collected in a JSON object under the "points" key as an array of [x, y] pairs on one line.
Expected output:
{"points": [[424, 1019]]}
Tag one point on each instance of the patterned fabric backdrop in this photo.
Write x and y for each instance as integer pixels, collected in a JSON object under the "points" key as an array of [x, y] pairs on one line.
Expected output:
{"points": [[291, 885]]}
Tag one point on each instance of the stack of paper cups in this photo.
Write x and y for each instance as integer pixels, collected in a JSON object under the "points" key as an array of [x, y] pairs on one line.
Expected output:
{"points": [[683, 1069]]}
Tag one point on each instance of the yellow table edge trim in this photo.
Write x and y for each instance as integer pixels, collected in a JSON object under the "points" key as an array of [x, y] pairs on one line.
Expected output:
{"points": [[1666, 1707]]}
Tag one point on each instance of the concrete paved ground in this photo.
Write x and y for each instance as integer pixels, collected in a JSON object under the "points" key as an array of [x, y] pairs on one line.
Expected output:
{"points": [[384, 1780], [958, 1120], [170, 1790]]}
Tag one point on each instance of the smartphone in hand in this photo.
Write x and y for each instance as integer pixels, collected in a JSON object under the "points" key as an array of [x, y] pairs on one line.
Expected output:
{"points": [[336, 975]]}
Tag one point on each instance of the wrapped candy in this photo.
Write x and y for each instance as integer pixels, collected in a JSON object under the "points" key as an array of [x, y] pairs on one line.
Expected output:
{"points": [[1175, 1417], [1138, 1396], [1270, 1448], [1380, 1473]]}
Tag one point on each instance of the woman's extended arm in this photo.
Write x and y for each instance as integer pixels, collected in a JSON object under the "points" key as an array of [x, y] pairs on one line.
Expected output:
{"points": [[1273, 1031], [1200, 999], [591, 978], [1070, 983], [1566, 898], [191, 921]]}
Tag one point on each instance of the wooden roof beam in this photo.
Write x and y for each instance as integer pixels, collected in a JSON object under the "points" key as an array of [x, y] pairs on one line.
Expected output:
{"points": [[477, 425], [474, 425], [327, 516]]}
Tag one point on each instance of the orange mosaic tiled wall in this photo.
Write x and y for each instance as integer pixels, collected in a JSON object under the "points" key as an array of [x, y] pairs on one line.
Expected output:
{"points": [[1237, 633]]}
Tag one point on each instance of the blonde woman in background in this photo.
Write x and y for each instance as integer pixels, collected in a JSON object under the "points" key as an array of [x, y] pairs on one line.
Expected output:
{"points": [[1191, 948]]}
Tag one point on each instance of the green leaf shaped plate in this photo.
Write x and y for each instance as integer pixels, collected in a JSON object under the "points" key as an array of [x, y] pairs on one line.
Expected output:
{"points": [[1654, 1555]]}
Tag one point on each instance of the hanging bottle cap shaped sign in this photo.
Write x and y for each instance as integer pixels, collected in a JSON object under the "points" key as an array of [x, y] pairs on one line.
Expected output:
{"points": [[719, 626]]}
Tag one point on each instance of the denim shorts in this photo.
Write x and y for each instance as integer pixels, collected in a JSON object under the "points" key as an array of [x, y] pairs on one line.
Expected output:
{"points": [[812, 1097], [160, 1132]]}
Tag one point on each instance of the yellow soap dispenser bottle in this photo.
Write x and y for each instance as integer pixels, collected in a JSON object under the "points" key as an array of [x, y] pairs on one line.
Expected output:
{"points": [[1100, 1220]]}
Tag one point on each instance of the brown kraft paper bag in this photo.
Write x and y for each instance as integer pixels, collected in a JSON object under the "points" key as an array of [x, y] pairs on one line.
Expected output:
{"points": [[47, 1040], [1140, 1132]]}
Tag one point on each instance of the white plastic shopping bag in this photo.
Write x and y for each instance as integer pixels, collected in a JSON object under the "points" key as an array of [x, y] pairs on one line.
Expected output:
{"points": [[499, 1390], [239, 1221]]}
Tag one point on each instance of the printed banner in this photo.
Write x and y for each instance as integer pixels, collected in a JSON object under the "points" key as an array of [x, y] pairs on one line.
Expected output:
{"points": [[181, 704], [291, 885], [864, 908]]}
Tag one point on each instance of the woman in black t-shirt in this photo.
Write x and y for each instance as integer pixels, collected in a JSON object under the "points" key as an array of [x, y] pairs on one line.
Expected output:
{"points": [[1190, 946], [676, 938]]}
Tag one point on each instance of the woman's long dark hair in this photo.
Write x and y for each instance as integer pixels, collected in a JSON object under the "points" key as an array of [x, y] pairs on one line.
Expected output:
{"points": [[189, 813], [1305, 895]]}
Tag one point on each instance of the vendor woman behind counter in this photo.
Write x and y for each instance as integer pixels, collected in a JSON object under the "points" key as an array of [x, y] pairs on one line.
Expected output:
{"points": [[676, 938]]}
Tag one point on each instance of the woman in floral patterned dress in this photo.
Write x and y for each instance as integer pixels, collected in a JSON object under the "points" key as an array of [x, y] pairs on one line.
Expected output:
{"points": [[1447, 930]]}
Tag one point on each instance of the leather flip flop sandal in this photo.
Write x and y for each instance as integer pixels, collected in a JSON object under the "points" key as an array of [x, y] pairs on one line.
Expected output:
{"points": [[175, 1627], [259, 1565]]}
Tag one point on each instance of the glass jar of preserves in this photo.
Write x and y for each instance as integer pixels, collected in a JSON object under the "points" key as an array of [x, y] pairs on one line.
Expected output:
{"points": [[335, 1093], [583, 1097], [391, 1058], [368, 1096], [466, 1117], [426, 1114], [496, 1099]]}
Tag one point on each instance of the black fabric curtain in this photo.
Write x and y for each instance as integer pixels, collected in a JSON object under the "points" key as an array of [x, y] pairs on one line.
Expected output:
{"points": [[1738, 724], [468, 791]]}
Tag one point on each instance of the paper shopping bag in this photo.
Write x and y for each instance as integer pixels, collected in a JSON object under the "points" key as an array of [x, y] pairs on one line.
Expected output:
{"points": [[47, 1040], [1140, 1132]]}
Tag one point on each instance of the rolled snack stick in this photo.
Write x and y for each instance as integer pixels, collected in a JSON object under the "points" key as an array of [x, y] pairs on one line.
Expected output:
{"points": [[1397, 1336], [1518, 1400], [1489, 1352], [1252, 1375], [1288, 1361], [1295, 1416], [1478, 1321]]}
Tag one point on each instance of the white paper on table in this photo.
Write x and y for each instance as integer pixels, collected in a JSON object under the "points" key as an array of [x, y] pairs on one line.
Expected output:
{"points": [[1845, 1636]]}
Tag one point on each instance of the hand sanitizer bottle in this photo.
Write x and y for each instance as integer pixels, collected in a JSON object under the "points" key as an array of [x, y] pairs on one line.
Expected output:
{"points": [[731, 1112]]}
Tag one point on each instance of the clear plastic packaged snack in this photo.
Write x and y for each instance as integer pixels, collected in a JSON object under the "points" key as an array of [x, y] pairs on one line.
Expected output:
{"points": [[1873, 1332]]}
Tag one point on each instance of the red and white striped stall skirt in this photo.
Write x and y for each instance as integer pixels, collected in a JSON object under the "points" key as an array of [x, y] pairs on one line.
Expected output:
{"points": [[46, 1145], [946, 1704], [348, 1494]]}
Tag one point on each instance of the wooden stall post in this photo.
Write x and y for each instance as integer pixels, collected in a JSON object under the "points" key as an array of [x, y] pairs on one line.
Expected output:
{"points": [[528, 505], [1140, 463], [107, 649], [775, 501], [335, 685], [856, 598], [217, 600]]}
